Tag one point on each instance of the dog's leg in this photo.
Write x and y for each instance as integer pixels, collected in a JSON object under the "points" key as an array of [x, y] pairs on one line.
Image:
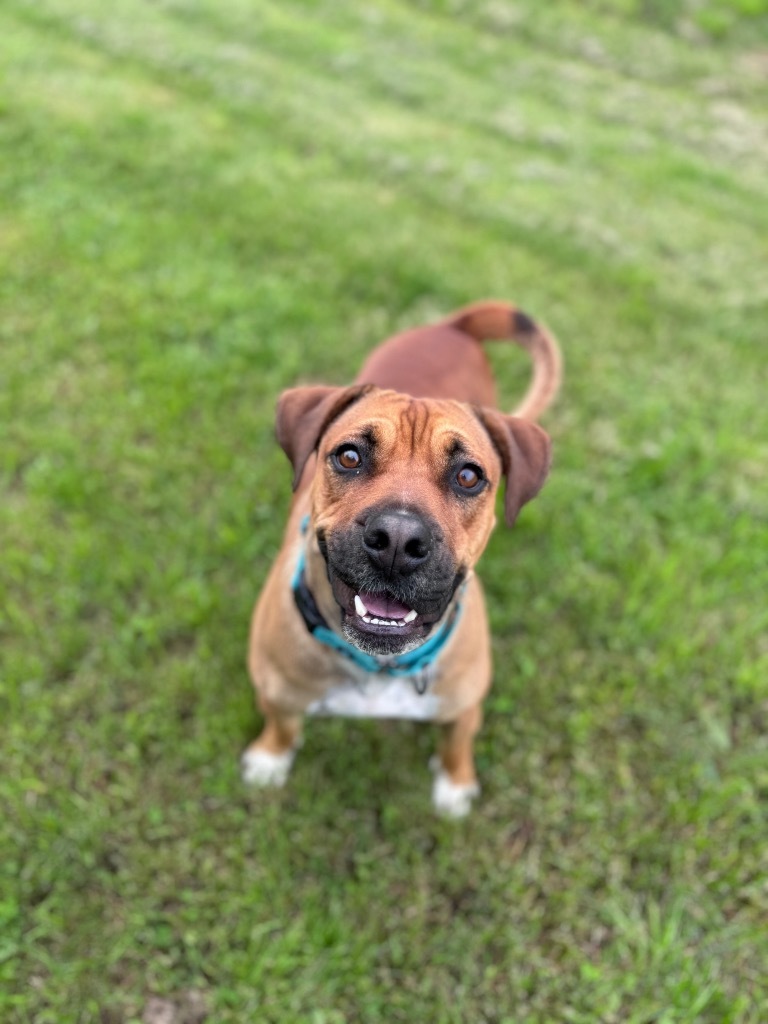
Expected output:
{"points": [[268, 760], [456, 784]]}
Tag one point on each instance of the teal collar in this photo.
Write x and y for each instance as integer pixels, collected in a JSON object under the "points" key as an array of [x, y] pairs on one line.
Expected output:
{"points": [[414, 665]]}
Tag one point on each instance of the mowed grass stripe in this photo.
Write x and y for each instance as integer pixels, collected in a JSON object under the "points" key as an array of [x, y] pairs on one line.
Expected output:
{"points": [[363, 131]]}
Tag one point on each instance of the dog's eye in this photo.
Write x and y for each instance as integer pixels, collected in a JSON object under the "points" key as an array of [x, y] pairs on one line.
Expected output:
{"points": [[347, 457], [469, 479]]}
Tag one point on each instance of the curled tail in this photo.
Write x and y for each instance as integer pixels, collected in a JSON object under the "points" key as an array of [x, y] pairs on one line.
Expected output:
{"points": [[488, 321]]}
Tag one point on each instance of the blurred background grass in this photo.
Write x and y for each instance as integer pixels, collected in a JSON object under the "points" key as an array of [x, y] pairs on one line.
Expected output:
{"points": [[204, 202]]}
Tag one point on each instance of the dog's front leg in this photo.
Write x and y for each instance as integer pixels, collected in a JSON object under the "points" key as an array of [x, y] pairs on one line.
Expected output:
{"points": [[268, 760], [455, 784]]}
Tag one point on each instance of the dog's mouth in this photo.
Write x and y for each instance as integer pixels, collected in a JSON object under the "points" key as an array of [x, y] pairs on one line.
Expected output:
{"points": [[380, 622], [383, 611], [379, 613]]}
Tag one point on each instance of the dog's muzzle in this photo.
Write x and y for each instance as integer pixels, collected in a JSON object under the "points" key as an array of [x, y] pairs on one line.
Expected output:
{"points": [[393, 578]]}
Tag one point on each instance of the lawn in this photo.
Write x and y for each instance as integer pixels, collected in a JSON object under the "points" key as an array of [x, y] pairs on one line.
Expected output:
{"points": [[205, 201]]}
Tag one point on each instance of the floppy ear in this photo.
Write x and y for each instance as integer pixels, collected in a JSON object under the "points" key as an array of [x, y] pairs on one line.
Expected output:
{"points": [[526, 454], [303, 415]]}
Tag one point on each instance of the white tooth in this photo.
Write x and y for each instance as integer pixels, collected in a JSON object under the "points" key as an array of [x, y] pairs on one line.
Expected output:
{"points": [[360, 608], [411, 615]]}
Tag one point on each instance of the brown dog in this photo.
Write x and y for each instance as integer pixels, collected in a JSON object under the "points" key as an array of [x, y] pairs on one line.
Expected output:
{"points": [[372, 607]]}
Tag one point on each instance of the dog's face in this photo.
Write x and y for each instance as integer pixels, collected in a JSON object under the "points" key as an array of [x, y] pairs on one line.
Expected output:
{"points": [[403, 499]]}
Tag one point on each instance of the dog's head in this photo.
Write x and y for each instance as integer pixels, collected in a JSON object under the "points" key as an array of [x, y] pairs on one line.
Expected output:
{"points": [[403, 497]]}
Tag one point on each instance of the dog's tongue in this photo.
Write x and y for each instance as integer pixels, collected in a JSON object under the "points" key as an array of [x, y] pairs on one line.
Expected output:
{"points": [[383, 606]]}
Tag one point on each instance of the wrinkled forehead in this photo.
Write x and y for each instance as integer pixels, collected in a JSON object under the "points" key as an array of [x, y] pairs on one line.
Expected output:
{"points": [[389, 419]]}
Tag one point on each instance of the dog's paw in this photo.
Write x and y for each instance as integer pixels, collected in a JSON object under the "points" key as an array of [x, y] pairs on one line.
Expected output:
{"points": [[451, 800], [260, 768]]}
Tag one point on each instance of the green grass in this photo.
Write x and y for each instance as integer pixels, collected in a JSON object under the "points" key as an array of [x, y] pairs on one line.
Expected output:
{"points": [[202, 202]]}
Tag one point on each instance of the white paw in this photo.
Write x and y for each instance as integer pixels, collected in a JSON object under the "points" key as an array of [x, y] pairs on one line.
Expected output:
{"points": [[260, 768], [450, 800]]}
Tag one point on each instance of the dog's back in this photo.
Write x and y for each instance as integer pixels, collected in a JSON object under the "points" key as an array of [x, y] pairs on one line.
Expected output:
{"points": [[444, 360]]}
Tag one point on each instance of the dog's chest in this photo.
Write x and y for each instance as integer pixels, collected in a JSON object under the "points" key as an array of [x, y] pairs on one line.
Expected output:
{"points": [[374, 696]]}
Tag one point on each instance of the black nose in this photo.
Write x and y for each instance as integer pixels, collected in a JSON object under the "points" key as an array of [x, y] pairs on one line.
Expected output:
{"points": [[397, 541]]}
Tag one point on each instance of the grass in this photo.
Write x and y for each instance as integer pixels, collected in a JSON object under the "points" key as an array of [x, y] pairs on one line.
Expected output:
{"points": [[204, 202]]}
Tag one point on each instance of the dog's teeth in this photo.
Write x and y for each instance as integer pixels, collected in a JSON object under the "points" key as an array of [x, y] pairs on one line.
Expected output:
{"points": [[373, 620]]}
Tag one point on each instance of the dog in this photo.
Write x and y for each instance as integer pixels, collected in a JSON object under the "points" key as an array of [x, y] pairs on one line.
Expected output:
{"points": [[372, 607]]}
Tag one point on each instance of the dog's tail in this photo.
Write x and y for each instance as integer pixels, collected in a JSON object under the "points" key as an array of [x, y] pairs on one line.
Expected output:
{"points": [[489, 321]]}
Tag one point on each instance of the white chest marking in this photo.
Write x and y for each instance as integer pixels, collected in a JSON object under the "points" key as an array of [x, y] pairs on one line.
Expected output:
{"points": [[375, 697]]}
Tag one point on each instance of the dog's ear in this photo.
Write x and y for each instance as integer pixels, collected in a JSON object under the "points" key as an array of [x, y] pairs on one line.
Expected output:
{"points": [[304, 414], [526, 454]]}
